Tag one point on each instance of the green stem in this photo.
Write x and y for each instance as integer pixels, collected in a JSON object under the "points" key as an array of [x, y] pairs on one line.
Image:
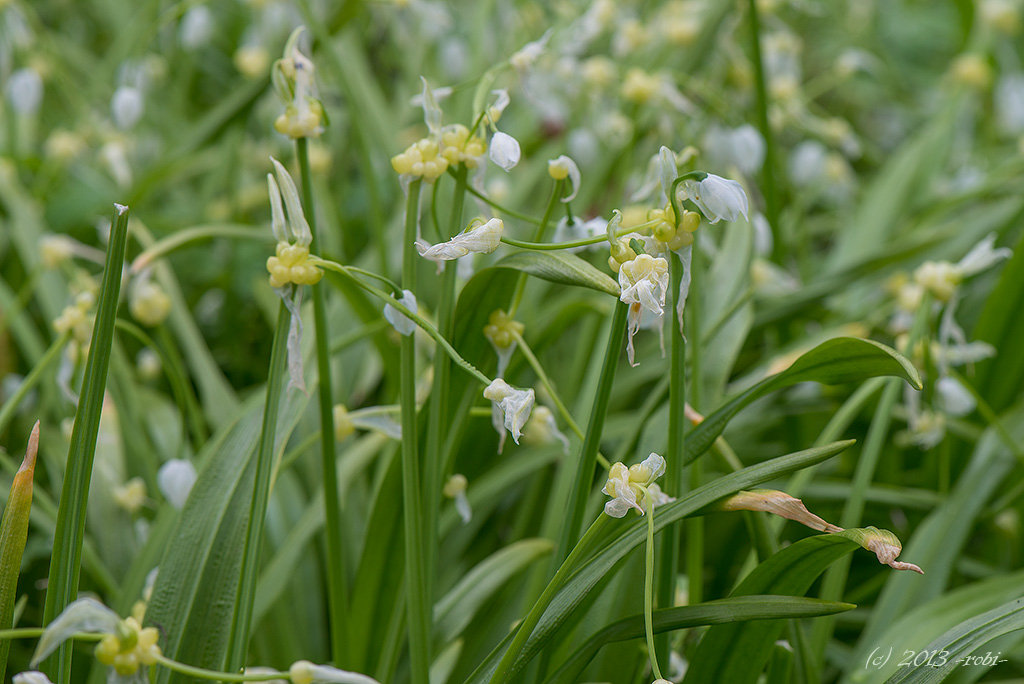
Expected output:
{"points": [[202, 673], [649, 589], [337, 584], [402, 309], [556, 194], [418, 603], [592, 440], [771, 199], [238, 640], [504, 210], [531, 358], [695, 525], [69, 532], [439, 421], [503, 671], [187, 236], [552, 246], [676, 435], [7, 411]]}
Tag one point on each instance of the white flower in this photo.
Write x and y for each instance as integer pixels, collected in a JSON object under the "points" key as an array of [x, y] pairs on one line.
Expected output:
{"points": [[528, 54], [718, 198], [982, 256], [25, 91], [807, 163], [399, 321], [629, 487], [563, 167], [455, 489], [504, 150], [196, 27], [667, 169], [510, 408], [175, 480], [305, 672], [481, 239], [953, 398], [741, 147], [126, 106], [31, 677], [501, 101], [643, 282], [542, 429]]}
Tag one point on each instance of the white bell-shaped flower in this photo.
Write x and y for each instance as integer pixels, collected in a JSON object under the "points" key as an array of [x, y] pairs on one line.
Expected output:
{"points": [[643, 282], [504, 150], [305, 672], [175, 480], [718, 198], [511, 409], [563, 167], [399, 321], [630, 486]]}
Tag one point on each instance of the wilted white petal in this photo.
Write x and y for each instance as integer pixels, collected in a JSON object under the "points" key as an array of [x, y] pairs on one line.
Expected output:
{"points": [[528, 54], [463, 508], [175, 480], [31, 677], [686, 258], [83, 615], [982, 256], [296, 218], [483, 239], [655, 464], [718, 198], [399, 321], [504, 150], [667, 169], [502, 101], [616, 508], [514, 404], [438, 93], [296, 376], [126, 106], [953, 397], [277, 221], [431, 110]]}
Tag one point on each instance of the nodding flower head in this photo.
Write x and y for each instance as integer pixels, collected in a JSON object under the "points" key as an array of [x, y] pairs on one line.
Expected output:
{"points": [[634, 486], [303, 116], [511, 409], [717, 198]]}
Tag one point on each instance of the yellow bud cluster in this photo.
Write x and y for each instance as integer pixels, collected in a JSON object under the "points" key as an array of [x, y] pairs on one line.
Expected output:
{"points": [[972, 70], [149, 304], [73, 318], [422, 159], [621, 253], [501, 330], [291, 265], [301, 124], [675, 237], [131, 647], [458, 147], [343, 425], [940, 278], [640, 86]]}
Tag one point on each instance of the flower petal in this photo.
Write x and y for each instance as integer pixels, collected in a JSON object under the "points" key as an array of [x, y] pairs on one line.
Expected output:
{"points": [[83, 615]]}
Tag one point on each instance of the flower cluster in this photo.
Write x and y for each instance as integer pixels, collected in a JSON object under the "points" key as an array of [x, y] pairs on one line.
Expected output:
{"points": [[501, 331], [510, 409], [643, 282], [303, 116], [291, 263], [634, 487], [422, 159]]}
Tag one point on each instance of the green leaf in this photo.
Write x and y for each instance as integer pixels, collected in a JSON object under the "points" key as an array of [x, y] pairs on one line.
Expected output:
{"points": [[629, 533], [1000, 378], [721, 611], [66, 561], [833, 362], [194, 595], [559, 267], [13, 535], [961, 641], [790, 572], [456, 609]]}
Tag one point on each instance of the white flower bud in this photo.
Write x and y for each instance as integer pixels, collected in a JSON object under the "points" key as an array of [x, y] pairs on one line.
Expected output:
{"points": [[399, 321], [25, 91], [511, 408], [718, 198], [563, 167], [196, 27], [126, 106], [504, 150], [175, 480]]}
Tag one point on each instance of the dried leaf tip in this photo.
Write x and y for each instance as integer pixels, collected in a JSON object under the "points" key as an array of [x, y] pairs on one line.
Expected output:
{"points": [[884, 544], [780, 504], [29, 464]]}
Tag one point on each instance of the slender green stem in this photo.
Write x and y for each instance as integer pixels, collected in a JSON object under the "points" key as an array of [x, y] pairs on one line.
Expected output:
{"points": [[177, 374], [556, 194], [695, 525], [185, 237], [69, 533], [439, 420], [337, 584], [11, 405], [649, 589], [531, 358], [771, 199], [238, 641], [504, 669], [592, 439], [202, 673], [553, 246], [408, 313], [376, 276], [676, 435], [504, 210], [418, 604], [984, 409]]}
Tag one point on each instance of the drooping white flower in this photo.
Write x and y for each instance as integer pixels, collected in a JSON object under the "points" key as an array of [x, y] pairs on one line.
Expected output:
{"points": [[126, 106], [175, 480], [31, 677], [25, 91], [718, 198], [479, 239], [504, 150], [643, 282], [630, 486], [525, 57], [983, 256], [667, 169], [542, 429], [455, 488], [305, 672], [741, 147], [563, 167], [399, 321], [953, 398], [196, 28], [83, 615], [511, 409]]}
